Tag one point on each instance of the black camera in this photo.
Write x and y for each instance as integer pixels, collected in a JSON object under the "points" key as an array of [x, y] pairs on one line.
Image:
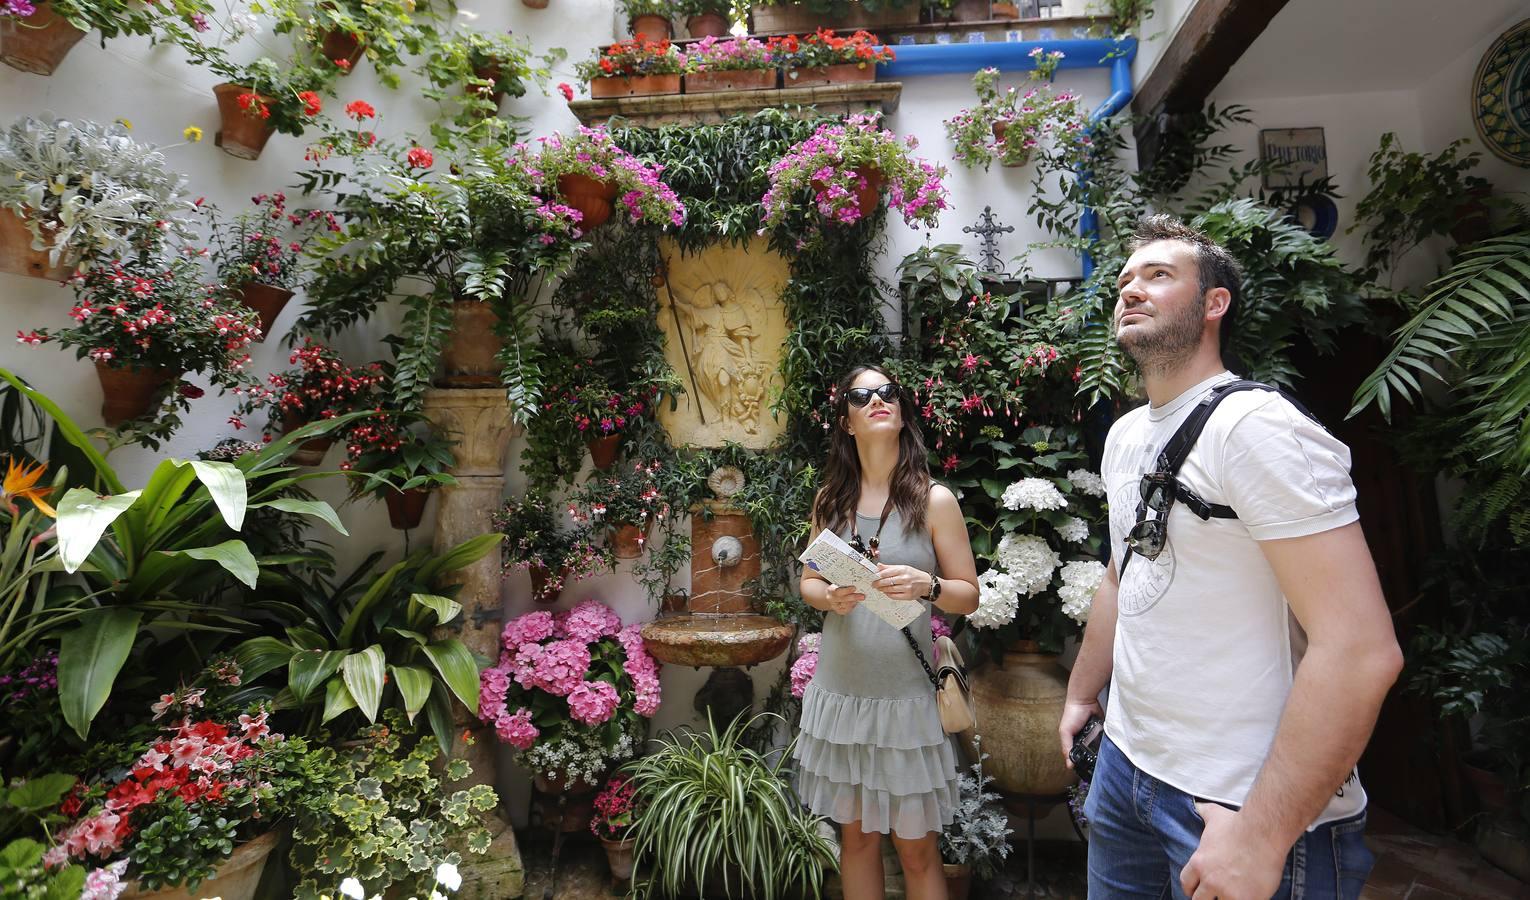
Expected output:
{"points": [[1086, 747]]}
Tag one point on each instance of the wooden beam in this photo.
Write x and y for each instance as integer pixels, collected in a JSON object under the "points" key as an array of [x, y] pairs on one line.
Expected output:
{"points": [[1214, 36]]}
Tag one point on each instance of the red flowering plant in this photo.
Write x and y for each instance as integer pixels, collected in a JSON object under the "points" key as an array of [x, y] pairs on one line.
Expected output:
{"points": [[157, 313], [174, 801], [261, 244], [321, 386], [631, 496], [285, 95], [825, 48], [617, 809], [571, 691], [584, 399], [391, 452], [633, 59]]}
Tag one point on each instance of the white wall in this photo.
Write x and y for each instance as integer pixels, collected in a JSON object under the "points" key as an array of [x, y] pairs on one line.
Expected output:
{"points": [[1155, 34]]}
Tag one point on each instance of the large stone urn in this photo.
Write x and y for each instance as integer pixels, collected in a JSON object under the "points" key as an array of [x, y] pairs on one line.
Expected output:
{"points": [[1019, 707]]}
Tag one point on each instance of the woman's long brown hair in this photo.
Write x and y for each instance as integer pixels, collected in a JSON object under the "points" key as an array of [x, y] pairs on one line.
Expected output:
{"points": [[910, 483]]}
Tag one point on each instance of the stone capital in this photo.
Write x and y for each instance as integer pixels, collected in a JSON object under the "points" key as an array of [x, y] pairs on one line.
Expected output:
{"points": [[478, 419]]}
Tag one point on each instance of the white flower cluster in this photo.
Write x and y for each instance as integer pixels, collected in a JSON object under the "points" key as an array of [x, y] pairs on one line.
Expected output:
{"points": [[579, 753], [1074, 531], [1034, 493], [1081, 579], [1087, 482], [1025, 565]]}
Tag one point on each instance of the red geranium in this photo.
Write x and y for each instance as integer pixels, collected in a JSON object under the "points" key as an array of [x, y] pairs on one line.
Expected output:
{"points": [[360, 109], [311, 103], [419, 158]]}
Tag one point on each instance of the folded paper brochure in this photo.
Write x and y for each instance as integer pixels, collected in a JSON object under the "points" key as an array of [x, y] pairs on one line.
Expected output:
{"points": [[843, 565]]}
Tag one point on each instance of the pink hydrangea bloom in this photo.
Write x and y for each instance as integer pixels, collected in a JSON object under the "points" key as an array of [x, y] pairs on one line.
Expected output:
{"points": [[562, 666], [516, 729], [643, 669], [810, 642], [802, 672], [493, 685], [591, 620], [532, 628], [592, 702]]}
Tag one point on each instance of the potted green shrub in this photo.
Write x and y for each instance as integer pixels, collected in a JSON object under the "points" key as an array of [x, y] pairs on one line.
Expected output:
{"points": [[1415, 196], [554, 556], [719, 817], [649, 19], [470, 72], [706, 18], [35, 37], [399, 458], [77, 190], [975, 844]]}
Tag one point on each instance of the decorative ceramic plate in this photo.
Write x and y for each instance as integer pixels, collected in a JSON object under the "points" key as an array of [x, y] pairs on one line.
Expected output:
{"points": [[1501, 92]]}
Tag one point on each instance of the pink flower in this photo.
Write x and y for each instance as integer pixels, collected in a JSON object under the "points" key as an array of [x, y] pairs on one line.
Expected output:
{"points": [[802, 672], [532, 628], [592, 702], [516, 729], [566, 90], [419, 158], [493, 685], [590, 621]]}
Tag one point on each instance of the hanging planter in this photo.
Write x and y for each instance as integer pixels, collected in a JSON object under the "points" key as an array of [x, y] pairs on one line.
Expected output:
{"points": [[640, 86], [17, 255], [840, 73], [37, 43], [868, 195], [603, 450], [470, 358], [627, 540], [651, 28], [242, 135], [343, 45], [707, 25], [591, 197], [406, 508], [236, 879], [490, 74], [999, 129], [535, 4], [544, 587], [128, 392], [733, 80], [308, 453], [267, 301]]}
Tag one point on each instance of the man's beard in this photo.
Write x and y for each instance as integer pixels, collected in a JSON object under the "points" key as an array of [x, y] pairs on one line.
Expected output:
{"points": [[1170, 344]]}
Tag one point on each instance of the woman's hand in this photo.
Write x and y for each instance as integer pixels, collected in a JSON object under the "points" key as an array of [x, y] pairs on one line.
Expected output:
{"points": [[903, 582], [843, 599]]}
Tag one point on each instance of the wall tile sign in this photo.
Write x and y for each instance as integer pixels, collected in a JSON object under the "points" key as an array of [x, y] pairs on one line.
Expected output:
{"points": [[1303, 153]]}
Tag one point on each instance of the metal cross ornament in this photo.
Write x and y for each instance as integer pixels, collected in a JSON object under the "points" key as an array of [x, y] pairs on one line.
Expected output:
{"points": [[986, 232]]}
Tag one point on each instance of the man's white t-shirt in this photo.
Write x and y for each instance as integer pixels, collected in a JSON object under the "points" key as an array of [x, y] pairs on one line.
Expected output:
{"points": [[1206, 646]]}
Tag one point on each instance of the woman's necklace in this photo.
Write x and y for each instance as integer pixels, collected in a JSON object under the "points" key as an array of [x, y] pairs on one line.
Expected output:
{"points": [[871, 549]]}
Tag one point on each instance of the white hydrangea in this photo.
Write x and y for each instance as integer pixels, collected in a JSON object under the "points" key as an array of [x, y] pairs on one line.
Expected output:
{"points": [[1081, 578], [1034, 493], [998, 599], [243, 23], [1087, 482], [1074, 530], [810, 642], [1030, 559]]}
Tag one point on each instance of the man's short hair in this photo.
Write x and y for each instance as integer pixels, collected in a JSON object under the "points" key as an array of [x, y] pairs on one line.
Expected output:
{"points": [[1218, 268]]}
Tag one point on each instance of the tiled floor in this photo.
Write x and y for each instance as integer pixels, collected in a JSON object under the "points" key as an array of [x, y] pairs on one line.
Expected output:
{"points": [[1410, 865]]}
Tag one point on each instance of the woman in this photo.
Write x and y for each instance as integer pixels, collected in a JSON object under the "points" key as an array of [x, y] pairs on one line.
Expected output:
{"points": [[872, 755]]}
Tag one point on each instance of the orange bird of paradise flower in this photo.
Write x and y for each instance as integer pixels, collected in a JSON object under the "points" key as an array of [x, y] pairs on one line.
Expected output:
{"points": [[21, 483]]}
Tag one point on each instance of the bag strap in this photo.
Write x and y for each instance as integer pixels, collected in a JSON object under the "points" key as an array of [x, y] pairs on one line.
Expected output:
{"points": [[914, 645]]}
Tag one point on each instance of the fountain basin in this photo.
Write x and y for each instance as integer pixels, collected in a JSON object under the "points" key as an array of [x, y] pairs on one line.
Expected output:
{"points": [[699, 639]]}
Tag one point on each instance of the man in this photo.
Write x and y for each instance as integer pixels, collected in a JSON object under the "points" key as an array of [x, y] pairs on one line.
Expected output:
{"points": [[1248, 657]]}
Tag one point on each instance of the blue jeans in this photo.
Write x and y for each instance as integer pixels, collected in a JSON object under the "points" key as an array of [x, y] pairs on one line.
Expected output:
{"points": [[1142, 832]]}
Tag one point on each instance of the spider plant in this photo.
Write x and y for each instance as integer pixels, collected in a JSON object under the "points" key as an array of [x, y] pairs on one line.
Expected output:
{"points": [[720, 812]]}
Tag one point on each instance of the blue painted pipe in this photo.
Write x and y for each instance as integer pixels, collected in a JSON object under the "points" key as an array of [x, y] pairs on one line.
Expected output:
{"points": [[1078, 53]]}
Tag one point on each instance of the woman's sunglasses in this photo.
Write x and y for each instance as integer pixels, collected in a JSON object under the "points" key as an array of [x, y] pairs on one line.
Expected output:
{"points": [[859, 397]]}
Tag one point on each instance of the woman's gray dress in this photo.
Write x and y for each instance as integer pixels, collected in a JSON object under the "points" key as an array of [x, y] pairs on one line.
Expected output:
{"points": [[871, 746]]}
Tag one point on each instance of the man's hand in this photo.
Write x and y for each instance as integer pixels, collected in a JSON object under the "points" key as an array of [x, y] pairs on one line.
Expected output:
{"points": [[1075, 714], [903, 582], [844, 599], [1231, 864]]}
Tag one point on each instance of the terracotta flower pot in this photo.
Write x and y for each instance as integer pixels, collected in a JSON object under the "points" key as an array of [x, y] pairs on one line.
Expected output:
{"points": [[627, 540], [242, 135], [310, 452], [37, 43], [592, 198], [1004, 9], [651, 28], [236, 879], [17, 255], [642, 86], [842, 73], [406, 508], [469, 357], [488, 73], [707, 25], [603, 450], [868, 195], [128, 393], [999, 130], [971, 10], [545, 588], [344, 45], [267, 301], [735, 80], [799, 18], [619, 856], [958, 880], [1020, 705], [536, 4]]}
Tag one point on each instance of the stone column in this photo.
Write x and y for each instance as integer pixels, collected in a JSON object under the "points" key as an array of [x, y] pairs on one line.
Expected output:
{"points": [[479, 420]]}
